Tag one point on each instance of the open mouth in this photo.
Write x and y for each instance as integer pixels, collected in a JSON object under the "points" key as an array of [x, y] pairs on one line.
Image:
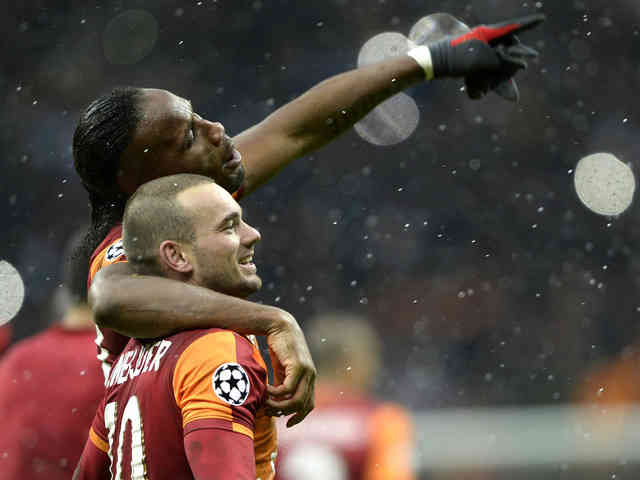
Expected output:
{"points": [[246, 263], [248, 260], [232, 157]]}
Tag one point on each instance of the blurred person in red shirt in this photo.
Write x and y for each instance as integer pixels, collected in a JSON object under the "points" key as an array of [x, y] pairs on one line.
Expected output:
{"points": [[51, 387], [350, 435]]}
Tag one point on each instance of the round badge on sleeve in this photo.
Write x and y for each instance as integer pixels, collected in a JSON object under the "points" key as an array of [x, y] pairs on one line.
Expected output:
{"points": [[231, 384], [115, 251]]}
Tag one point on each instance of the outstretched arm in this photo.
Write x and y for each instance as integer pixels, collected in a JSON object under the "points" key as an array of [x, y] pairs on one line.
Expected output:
{"points": [[147, 306], [320, 115], [486, 57]]}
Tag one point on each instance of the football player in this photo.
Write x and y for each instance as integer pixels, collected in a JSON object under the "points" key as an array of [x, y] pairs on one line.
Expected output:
{"points": [[352, 435], [189, 405], [134, 135]]}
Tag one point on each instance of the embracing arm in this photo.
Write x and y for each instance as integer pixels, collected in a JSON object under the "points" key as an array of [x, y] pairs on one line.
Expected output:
{"points": [[143, 306], [147, 307]]}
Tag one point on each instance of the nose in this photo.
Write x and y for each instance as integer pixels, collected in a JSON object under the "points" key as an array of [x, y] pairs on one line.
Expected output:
{"points": [[250, 236], [215, 131]]}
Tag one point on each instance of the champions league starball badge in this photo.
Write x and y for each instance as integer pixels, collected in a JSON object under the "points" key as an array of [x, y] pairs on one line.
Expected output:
{"points": [[231, 384]]}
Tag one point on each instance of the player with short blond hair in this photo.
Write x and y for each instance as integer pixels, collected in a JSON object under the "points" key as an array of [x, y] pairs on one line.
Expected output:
{"points": [[189, 405]]}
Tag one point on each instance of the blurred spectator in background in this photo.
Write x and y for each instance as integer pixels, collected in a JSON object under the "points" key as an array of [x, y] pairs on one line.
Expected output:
{"points": [[614, 383], [350, 435], [51, 386]]}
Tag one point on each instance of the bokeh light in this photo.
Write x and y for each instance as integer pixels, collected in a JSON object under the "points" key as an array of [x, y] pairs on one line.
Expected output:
{"points": [[11, 292], [383, 45], [604, 184], [435, 27], [396, 119], [391, 122], [129, 37]]}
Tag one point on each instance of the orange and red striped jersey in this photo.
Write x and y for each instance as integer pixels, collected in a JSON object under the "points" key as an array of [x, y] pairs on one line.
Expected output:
{"points": [[160, 391], [109, 342], [348, 436]]}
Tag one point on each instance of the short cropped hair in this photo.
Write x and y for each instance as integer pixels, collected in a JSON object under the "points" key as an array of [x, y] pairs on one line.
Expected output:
{"points": [[339, 337], [153, 215]]}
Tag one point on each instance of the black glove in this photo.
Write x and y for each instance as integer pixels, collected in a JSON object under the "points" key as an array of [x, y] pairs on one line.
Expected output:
{"points": [[487, 57]]}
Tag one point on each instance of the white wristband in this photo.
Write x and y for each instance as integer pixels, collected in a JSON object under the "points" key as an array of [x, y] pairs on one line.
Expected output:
{"points": [[422, 55]]}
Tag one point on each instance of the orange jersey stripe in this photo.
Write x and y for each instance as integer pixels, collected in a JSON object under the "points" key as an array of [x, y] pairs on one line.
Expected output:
{"points": [[96, 265], [98, 442], [237, 427]]}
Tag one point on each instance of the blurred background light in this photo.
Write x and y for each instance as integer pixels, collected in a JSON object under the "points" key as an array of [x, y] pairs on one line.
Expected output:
{"points": [[11, 292], [604, 184], [129, 37]]}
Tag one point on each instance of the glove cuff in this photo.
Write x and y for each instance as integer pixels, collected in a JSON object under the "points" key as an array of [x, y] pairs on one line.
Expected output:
{"points": [[422, 55], [438, 51]]}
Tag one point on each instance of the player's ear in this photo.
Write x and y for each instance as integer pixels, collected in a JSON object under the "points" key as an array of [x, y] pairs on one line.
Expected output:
{"points": [[174, 257]]}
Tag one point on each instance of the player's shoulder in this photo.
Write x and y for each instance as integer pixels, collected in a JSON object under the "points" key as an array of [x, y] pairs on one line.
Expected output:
{"points": [[216, 345], [111, 248], [109, 251], [111, 242], [212, 359]]}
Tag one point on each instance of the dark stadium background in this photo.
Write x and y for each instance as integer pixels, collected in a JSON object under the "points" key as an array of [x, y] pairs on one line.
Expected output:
{"points": [[466, 245]]}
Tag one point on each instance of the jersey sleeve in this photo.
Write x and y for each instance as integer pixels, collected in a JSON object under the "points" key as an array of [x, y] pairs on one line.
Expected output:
{"points": [[219, 381], [112, 253], [109, 343], [98, 434]]}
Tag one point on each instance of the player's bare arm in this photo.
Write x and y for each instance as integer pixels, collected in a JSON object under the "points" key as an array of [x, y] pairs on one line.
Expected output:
{"points": [[485, 57], [320, 115], [142, 306]]}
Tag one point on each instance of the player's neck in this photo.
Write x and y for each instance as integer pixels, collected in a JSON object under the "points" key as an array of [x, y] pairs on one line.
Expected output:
{"points": [[77, 318]]}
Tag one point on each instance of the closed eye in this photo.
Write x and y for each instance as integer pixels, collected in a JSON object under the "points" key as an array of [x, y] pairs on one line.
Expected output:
{"points": [[191, 135]]}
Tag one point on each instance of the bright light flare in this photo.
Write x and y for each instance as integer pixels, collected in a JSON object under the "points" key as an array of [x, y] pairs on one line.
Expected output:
{"points": [[129, 37], [435, 27], [604, 184], [11, 292]]}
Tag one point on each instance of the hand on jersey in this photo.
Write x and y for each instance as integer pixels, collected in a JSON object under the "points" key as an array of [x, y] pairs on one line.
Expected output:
{"points": [[294, 372], [487, 57]]}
